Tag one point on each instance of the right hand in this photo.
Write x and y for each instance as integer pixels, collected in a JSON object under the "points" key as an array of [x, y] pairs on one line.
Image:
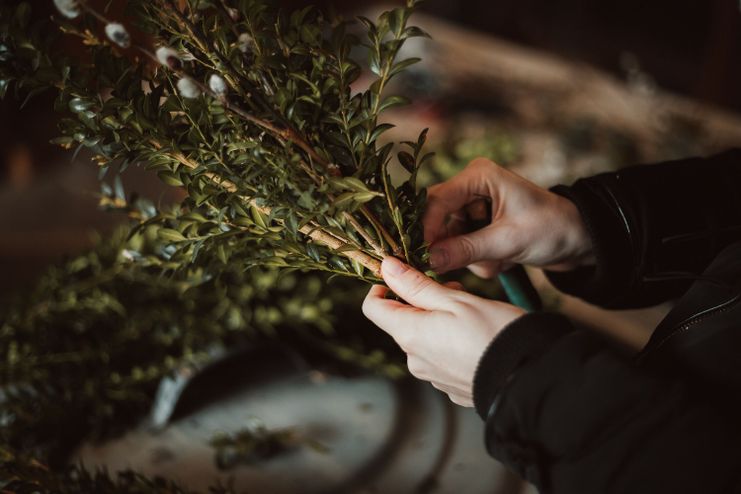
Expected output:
{"points": [[530, 225]]}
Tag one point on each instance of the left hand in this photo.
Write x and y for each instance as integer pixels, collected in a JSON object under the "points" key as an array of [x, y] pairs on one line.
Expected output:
{"points": [[444, 331]]}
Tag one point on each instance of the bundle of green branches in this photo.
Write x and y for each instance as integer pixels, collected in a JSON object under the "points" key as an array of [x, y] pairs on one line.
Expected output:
{"points": [[252, 110]]}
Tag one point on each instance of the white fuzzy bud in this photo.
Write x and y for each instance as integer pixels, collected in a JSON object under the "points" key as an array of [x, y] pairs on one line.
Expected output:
{"points": [[168, 57], [217, 84], [244, 42], [233, 13], [118, 34], [188, 88], [186, 56], [68, 8]]}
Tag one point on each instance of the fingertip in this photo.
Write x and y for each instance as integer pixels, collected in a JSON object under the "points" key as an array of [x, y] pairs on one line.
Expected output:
{"points": [[455, 285], [418, 289], [481, 162], [375, 295], [377, 291], [439, 258], [391, 268], [485, 269]]}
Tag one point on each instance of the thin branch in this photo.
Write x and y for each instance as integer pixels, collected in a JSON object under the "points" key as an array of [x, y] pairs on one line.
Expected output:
{"points": [[364, 233], [380, 251], [395, 248]]}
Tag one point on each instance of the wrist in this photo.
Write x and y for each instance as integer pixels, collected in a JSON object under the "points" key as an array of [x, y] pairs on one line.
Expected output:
{"points": [[577, 242]]}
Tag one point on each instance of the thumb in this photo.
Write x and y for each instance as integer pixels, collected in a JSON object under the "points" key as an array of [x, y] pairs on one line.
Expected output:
{"points": [[462, 250], [414, 287]]}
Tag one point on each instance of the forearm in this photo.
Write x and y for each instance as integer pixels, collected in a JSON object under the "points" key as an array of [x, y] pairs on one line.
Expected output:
{"points": [[575, 416], [653, 227]]}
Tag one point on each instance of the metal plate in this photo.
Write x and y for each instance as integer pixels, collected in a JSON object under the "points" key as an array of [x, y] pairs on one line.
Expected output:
{"points": [[382, 437]]}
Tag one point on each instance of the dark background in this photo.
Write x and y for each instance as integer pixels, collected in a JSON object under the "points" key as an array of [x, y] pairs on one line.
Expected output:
{"points": [[691, 46]]}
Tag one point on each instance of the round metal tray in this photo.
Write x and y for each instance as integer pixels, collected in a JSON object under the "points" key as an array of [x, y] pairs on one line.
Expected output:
{"points": [[382, 436]]}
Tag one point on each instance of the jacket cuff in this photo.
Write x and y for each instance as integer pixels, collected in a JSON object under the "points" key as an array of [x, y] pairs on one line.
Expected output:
{"points": [[524, 338], [609, 230]]}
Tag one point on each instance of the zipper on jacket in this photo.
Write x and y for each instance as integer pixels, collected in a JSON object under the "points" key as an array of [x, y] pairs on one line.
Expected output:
{"points": [[687, 324]]}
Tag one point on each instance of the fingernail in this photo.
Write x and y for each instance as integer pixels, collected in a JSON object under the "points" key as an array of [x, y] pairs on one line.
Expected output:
{"points": [[438, 257], [393, 266]]}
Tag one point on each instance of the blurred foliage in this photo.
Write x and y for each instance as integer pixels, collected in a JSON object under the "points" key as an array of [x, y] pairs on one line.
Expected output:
{"points": [[459, 149], [284, 169], [83, 353], [25, 475], [86, 349]]}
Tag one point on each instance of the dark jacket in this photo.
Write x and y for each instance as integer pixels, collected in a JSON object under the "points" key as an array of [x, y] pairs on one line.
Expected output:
{"points": [[572, 414]]}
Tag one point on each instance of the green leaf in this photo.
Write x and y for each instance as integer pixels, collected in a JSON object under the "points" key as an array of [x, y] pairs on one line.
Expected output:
{"points": [[313, 251], [221, 253], [78, 105], [397, 19], [355, 183], [258, 217], [359, 269], [374, 63], [399, 66], [350, 198], [170, 235], [415, 32], [393, 101], [407, 161], [170, 179], [380, 129]]}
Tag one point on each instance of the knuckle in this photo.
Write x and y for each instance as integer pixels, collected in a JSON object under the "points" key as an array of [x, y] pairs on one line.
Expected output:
{"points": [[468, 249], [406, 339], [481, 162], [464, 304], [416, 284], [484, 270]]}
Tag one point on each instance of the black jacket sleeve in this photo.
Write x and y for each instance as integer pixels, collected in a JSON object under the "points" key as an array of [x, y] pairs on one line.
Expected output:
{"points": [[571, 415], [654, 228]]}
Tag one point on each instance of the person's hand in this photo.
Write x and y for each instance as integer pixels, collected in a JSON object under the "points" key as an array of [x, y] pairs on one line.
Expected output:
{"points": [[530, 225], [444, 331]]}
